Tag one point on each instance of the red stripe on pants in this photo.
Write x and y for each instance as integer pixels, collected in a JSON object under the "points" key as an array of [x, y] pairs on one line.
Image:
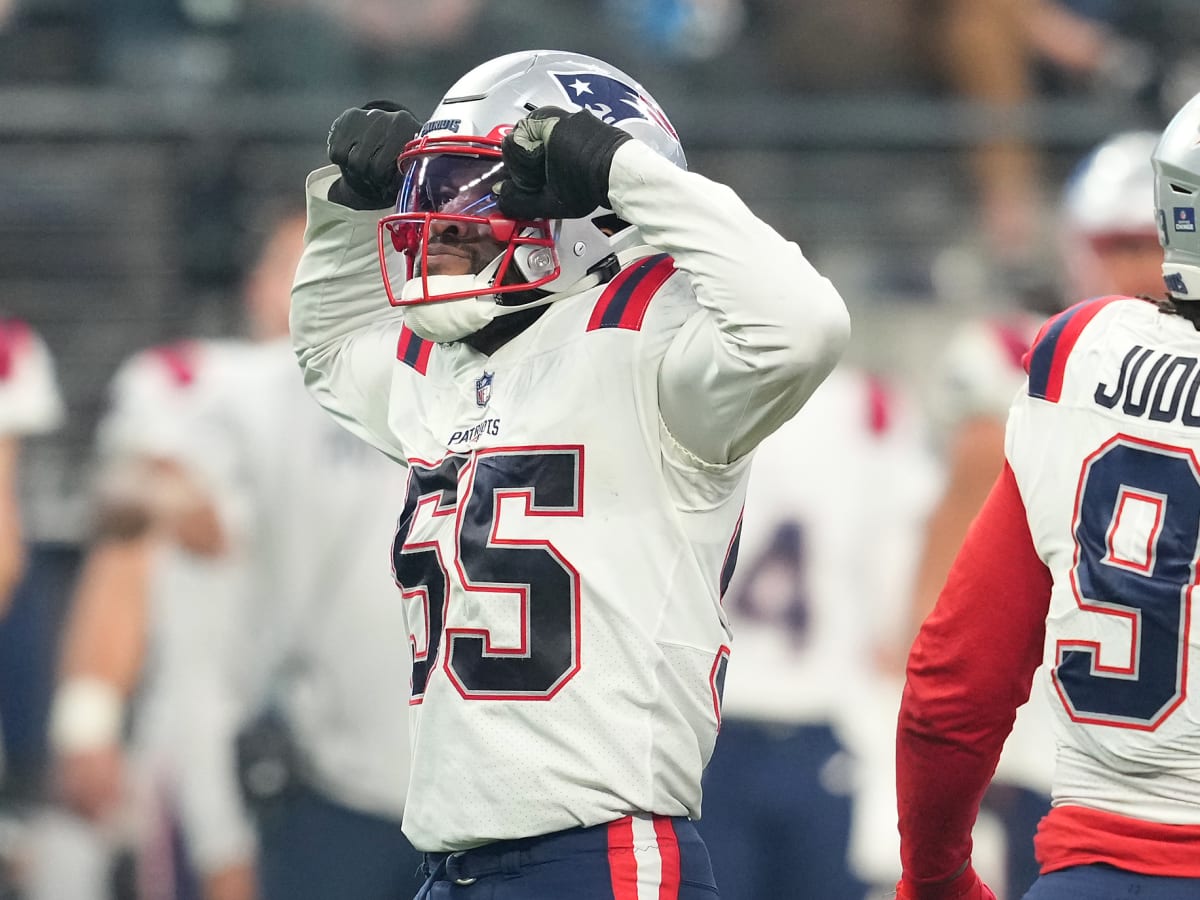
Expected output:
{"points": [[622, 865]]}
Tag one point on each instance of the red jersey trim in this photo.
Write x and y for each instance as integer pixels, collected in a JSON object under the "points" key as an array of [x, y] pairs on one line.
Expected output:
{"points": [[14, 334], [412, 350], [623, 303], [181, 360], [1046, 361], [1079, 836]]}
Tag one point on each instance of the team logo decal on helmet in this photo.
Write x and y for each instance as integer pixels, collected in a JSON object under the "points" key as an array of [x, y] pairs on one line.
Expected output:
{"points": [[611, 100]]}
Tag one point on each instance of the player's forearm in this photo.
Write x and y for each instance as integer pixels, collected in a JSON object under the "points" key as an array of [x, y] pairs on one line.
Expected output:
{"points": [[343, 331], [337, 290], [12, 542], [771, 328]]}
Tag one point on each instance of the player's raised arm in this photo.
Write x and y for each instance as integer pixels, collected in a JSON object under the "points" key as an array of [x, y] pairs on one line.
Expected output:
{"points": [[343, 331], [770, 327]]}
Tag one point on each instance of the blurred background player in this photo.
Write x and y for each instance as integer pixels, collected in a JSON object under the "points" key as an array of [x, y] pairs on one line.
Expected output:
{"points": [[315, 647], [153, 563], [1109, 245], [29, 405], [810, 620], [1083, 558], [176, 567]]}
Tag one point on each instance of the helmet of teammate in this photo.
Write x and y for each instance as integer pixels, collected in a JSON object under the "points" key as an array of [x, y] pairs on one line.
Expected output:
{"points": [[1109, 226], [453, 165], [1177, 189]]}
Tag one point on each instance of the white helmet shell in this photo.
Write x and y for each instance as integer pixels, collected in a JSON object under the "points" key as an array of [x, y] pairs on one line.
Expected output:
{"points": [[1111, 191], [474, 116]]}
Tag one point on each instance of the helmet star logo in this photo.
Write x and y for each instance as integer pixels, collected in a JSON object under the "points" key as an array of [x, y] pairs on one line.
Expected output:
{"points": [[580, 87]]}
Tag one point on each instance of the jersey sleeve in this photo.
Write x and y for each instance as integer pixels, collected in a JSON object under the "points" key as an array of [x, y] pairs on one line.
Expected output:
{"points": [[970, 667], [769, 327], [30, 402], [345, 335]]}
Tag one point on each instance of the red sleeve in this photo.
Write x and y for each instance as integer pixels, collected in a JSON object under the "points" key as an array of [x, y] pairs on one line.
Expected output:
{"points": [[970, 667]]}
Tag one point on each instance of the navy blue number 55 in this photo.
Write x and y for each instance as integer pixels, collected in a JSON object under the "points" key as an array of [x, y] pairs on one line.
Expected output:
{"points": [[480, 499]]}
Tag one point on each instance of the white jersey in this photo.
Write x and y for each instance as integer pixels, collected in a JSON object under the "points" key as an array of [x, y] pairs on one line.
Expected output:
{"points": [[320, 631], [1104, 447], [153, 401], [29, 397], [562, 543], [847, 479]]}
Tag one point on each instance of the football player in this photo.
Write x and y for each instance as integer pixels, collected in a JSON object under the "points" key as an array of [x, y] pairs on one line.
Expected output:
{"points": [[153, 561], [1109, 245], [1084, 558], [586, 342], [809, 620], [29, 404], [233, 571]]}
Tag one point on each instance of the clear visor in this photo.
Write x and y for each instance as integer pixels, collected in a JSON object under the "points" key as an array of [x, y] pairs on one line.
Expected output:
{"points": [[452, 191], [447, 183]]}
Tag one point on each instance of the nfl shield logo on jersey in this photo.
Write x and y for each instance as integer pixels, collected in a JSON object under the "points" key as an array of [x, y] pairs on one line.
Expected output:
{"points": [[483, 389]]}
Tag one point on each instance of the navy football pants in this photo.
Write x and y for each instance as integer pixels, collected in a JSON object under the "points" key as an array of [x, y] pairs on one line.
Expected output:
{"points": [[776, 813], [635, 858], [315, 849], [1101, 882]]}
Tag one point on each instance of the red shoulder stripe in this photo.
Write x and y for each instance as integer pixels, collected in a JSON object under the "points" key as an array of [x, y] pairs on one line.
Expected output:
{"points": [[624, 302], [13, 335], [412, 350], [1046, 361], [879, 405], [180, 360]]}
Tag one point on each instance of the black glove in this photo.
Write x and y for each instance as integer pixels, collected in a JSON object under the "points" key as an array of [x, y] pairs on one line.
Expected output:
{"points": [[364, 142], [557, 164]]}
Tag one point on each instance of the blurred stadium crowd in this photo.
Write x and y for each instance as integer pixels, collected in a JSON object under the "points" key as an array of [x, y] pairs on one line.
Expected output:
{"points": [[152, 157]]}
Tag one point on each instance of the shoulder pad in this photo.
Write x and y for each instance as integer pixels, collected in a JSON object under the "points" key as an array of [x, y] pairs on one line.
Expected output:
{"points": [[1046, 361], [624, 301]]}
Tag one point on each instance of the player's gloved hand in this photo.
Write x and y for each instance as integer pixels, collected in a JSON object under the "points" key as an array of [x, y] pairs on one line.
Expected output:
{"points": [[966, 886], [557, 164], [364, 142]]}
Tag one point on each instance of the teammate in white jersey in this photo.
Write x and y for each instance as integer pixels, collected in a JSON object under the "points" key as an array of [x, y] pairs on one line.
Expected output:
{"points": [[293, 608], [317, 636], [1109, 244], [809, 620], [1084, 558], [586, 345], [151, 564], [29, 404]]}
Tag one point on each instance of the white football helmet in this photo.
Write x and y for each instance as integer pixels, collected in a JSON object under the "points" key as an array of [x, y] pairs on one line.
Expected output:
{"points": [[452, 166], [1109, 229], [1176, 189]]}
